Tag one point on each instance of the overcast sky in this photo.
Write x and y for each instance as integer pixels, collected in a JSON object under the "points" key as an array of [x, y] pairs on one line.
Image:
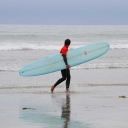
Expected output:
{"points": [[64, 12]]}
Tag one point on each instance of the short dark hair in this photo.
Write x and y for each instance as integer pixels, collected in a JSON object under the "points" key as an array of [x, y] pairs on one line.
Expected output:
{"points": [[67, 42]]}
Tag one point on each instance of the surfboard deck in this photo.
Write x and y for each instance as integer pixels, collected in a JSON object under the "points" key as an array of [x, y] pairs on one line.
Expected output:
{"points": [[75, 57]]}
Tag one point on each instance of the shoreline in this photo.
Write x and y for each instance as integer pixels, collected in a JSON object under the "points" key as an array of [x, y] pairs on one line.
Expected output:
{"points": [[11, 82]]}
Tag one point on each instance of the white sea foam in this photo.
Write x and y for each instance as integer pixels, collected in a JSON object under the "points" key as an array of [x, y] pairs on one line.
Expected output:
{"points": [[39, 46], [23, 46], [119, 46]]}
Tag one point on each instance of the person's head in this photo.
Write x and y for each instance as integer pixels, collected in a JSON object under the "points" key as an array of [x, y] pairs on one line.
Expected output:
{"points": [[67, 42]]}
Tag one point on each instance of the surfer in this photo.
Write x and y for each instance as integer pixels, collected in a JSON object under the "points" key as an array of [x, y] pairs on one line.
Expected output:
{"points": [[65, 72]]}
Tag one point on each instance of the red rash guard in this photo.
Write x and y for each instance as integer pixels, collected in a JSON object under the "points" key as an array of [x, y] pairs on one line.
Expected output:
{"points": [[64, 50]]}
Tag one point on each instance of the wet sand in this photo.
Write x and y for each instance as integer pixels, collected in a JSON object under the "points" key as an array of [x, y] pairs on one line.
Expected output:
{"points": [[97, 107], [94, 101]]}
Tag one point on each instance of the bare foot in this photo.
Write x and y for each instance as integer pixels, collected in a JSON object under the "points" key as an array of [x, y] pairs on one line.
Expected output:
{"points": [[67, 91], [52, 88]]}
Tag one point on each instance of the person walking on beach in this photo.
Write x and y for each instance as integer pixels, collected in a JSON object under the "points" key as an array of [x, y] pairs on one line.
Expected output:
{"points": [[65, 72]]}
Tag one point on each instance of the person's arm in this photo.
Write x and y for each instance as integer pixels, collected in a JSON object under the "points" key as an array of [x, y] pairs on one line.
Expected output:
{"points": [[65, 60]]}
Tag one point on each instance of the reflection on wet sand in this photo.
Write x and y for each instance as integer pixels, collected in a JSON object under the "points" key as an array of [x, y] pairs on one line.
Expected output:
{"points": [[66, 111], [49, 114]]}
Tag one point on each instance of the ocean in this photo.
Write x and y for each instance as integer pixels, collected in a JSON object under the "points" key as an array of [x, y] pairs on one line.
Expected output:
{"points": [[95, 85], [27, 39]]}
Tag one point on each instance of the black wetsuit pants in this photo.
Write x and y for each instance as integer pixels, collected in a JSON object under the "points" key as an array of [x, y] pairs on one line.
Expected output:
{"points": [[65, 76]]}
